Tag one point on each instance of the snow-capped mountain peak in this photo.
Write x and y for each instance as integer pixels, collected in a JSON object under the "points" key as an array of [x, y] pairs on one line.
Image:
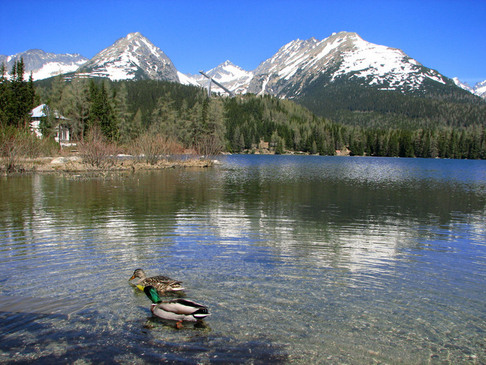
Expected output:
{"points": [[384, 65], [233, 77], [131, 57], [43, 64], [343, 54], [227, 72], [478, 89]]}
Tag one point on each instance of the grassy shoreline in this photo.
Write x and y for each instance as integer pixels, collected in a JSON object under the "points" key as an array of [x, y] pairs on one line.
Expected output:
{"points": [[76, 164]]}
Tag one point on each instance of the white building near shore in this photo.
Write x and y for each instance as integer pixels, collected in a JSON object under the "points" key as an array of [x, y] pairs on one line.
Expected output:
{"points": [[61, 128]]}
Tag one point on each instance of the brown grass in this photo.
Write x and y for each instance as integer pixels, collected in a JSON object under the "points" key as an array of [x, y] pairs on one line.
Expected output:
{"points": [[22, 152]]}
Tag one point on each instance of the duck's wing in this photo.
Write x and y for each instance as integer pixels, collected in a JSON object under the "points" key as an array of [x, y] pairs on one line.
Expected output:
{"points": [[175, 286], [158, 279], [161, 281], [159, 312], [185, 306], [165, 286]]}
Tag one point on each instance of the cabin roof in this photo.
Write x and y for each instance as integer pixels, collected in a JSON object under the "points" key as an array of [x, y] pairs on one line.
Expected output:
{"points": [[40, 112]]}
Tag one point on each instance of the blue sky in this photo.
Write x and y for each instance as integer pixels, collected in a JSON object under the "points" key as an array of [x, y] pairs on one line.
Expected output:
{"points": [[446, 35]]}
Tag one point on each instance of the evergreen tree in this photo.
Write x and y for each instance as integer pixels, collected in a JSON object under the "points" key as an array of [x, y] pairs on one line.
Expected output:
{"points": [[75, 106], [238, 140], [123, 116], [133, 130], [101, 111], [314, 147], [278, 143], [53, 107], [164, 118], [47, 122], [4, 96], [213, 141], [108, 121], [16, 97], [199, 126]]}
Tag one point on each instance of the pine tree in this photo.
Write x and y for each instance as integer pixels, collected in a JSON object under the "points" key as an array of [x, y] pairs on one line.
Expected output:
{"points": [[16, 97], [108, 122], [135, 128], [238, 141], [122, 115], [200, 125], [53, 108], [4, 96], [75, 106], [278, 143], [101, 111], [164, 118]]}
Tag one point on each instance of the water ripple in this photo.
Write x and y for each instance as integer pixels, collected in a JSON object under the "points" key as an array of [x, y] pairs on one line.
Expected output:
{"points": [[332, 260]]}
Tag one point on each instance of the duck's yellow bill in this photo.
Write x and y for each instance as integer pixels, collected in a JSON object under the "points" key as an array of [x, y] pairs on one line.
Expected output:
{"points": [[140, 287]]}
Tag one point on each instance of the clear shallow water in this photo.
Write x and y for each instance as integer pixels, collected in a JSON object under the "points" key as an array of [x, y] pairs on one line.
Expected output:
{"points": [[300, 259]]}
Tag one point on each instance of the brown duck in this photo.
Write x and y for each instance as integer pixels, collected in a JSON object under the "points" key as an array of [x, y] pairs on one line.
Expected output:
{"points": [[163, 284]]}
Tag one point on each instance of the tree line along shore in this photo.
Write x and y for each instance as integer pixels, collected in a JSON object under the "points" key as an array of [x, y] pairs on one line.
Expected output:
{"points": [[155, 119]]}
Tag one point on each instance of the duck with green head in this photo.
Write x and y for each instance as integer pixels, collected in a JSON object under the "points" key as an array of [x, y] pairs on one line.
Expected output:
{"points": [[176, 309], [163, 284]]}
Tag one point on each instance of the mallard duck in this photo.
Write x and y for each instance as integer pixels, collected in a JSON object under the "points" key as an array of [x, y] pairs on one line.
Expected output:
{"points": [[163, 284], [175, 309]]}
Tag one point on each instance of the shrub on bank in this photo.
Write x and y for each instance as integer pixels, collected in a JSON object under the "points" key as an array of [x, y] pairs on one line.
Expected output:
{"points": [[96, 151], [17, 144], [154, 147]]}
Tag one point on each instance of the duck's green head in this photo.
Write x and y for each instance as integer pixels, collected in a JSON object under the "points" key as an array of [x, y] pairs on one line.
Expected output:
{"points": [[152, 294]]}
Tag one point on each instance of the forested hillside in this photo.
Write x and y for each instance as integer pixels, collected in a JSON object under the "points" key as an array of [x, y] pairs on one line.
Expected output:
{"points": [[284, 123], [126, 110], [351, 103]]}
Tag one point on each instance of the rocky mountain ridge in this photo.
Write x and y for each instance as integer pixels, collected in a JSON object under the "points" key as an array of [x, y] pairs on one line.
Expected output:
{"points": [[287, 74], [43, 64], [342, 55]]}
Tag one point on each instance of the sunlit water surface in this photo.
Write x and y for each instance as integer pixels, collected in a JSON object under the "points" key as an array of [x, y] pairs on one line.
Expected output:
{"points": [[300, 259]]}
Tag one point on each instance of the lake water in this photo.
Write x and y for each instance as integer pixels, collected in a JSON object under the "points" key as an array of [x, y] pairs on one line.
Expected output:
{"points": [[300, 259]]}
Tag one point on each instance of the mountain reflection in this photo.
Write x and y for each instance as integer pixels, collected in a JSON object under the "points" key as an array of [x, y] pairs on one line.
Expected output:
{"points": [[354, 215]]}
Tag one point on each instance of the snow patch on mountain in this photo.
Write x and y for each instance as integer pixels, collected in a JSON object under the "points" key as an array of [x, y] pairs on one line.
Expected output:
{"points": [[54, 69], [187, 79]]}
